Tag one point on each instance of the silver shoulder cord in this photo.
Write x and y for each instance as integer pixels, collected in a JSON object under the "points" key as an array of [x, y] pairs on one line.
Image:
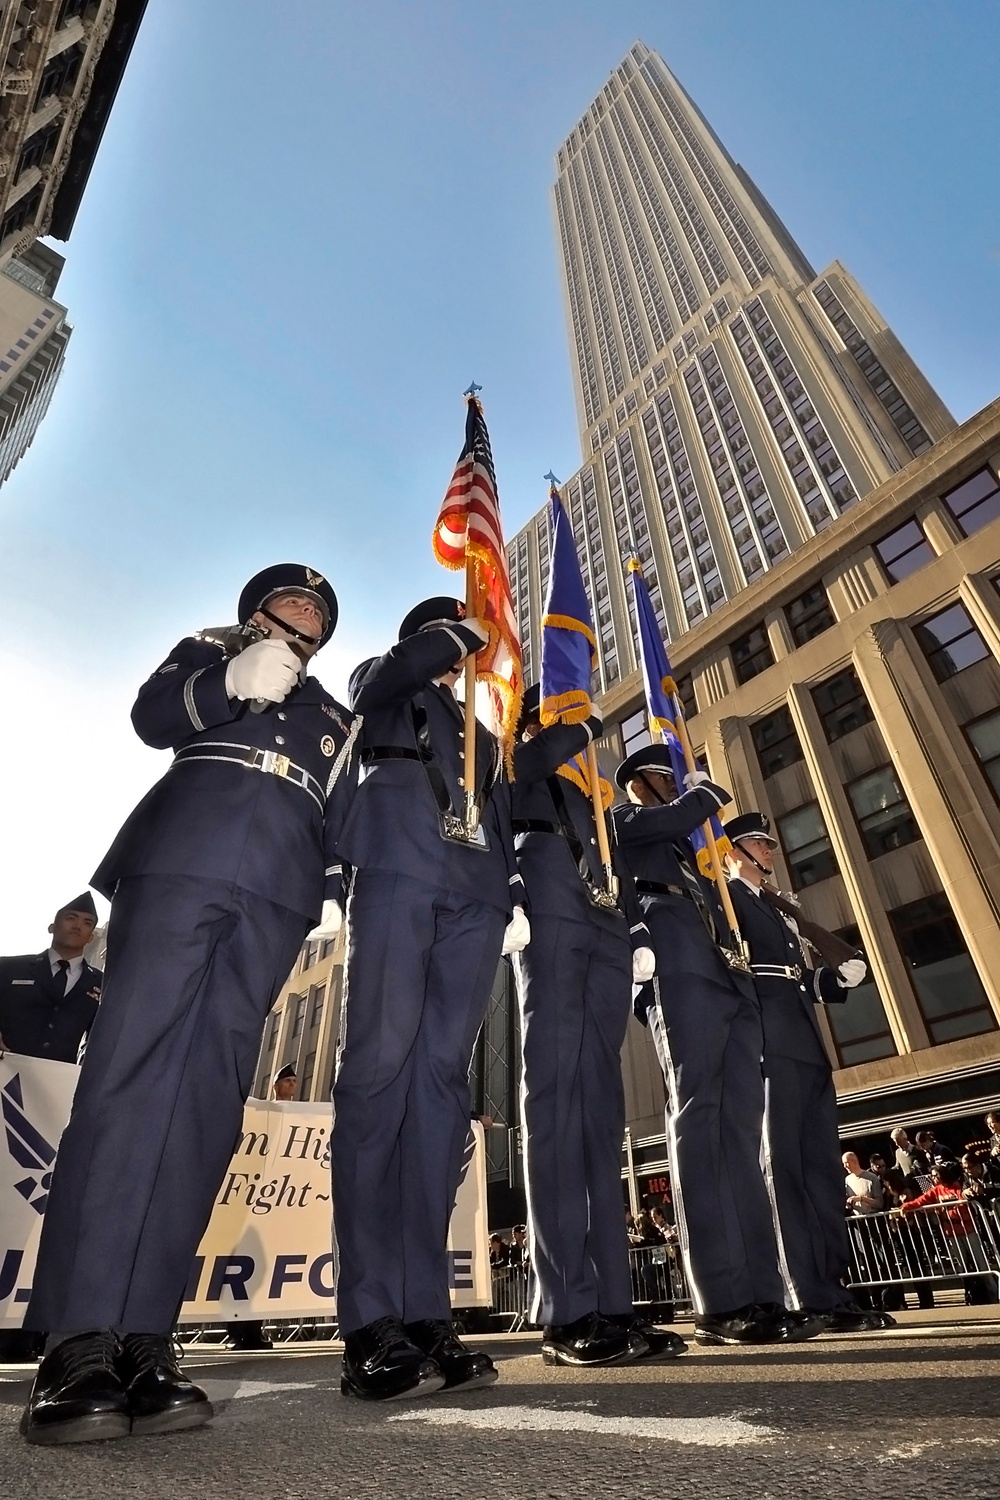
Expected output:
{"points": [[345, 752]]}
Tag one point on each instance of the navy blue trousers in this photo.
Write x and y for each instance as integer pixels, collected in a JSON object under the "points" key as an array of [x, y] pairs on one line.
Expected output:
{"points": [[806, 1176], [193, 967], [574, 984], [709, 1041], [420, 967]]}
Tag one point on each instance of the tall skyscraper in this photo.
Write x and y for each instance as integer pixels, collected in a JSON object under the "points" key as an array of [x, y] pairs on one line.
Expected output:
{"points": [[61, 64], [732, 403], [34, 333], [822, 546]]}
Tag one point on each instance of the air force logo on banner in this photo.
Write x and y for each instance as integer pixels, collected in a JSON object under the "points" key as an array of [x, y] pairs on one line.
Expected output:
{"points": [[469, 1157], [27, 1146]]}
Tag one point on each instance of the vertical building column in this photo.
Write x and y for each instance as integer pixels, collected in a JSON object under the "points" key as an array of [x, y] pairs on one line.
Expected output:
{"points": [[939, 527], [982, 599], [888, 969], [734, 765], [284, 1037], [329, 1031], [957, 828], [779, 634]]}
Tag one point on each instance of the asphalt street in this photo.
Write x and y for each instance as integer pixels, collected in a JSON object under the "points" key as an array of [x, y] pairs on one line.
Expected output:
{"points": [[912, 1413]]}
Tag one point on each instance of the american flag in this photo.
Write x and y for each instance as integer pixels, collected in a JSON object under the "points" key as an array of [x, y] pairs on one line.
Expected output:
{"points": [[469, 534]]}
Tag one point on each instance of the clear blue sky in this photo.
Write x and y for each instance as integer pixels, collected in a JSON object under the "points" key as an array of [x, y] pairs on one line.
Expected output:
{"points": [[310, 225]]}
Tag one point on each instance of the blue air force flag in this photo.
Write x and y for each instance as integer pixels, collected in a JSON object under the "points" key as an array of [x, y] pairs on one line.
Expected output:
{"points": [[569, 649], [663, 708]]}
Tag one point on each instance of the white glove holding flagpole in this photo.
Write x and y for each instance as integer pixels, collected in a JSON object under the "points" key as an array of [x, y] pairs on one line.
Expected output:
{"points": [[518, 933], [329, 923], [643, 965], [695, 779], [267, 670]]}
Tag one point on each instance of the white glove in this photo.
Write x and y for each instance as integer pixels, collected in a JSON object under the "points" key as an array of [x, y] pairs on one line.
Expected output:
{"points": [[518, 933], [852, 972], [643, 965], [329, 923], [267, 669], [695, 779], [478, 627]]}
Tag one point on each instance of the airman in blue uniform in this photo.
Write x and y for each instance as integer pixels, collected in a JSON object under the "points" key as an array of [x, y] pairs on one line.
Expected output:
{"points": [[801, 1149], [48, 1001], [215, 879], [427, 914], [706, 1026], [574, 982]]}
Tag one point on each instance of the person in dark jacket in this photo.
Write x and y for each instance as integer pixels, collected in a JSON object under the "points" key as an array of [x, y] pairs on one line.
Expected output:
{"points": [[215, 880], [428, 910], [705, 1021], [802, 1164], [574, 984], [48, 1001]]}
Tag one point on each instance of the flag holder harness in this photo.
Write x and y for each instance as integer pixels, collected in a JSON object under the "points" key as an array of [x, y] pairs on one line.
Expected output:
{"points": [[604, 897], [453, 827]]}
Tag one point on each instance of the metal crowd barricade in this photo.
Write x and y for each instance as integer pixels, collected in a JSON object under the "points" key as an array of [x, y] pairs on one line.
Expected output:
{"points": [[952, 1241], [281, 1332], [657, 1281], [658, 1276], [510, 1296], [949, 1243]]}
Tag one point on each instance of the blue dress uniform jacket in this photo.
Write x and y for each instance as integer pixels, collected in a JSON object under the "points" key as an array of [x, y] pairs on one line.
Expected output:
{"points": [[547, 865], [34, 1019], [216, 820], [705, 1023], [574, 984], [648, 838], [216, 878], [426, 918], [393, 822], [801, 1154]]}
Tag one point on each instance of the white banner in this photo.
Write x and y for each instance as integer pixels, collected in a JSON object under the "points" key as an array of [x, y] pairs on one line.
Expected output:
{"points": [[266, 1252]]}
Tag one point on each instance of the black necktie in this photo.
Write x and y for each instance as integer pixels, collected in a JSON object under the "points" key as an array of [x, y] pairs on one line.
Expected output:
{"points": [[59, 980]]}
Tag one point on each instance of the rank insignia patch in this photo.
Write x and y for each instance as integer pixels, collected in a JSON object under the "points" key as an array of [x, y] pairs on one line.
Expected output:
{"points": [[327, 709]]}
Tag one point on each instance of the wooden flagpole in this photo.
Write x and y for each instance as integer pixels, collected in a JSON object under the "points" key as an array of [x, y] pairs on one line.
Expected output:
{"points": [[471, 817], [601, 822]]}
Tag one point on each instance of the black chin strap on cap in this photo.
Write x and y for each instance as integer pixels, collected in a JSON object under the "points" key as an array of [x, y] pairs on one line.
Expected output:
{"points": [[747, 855], [297, 635], [651, 788]]}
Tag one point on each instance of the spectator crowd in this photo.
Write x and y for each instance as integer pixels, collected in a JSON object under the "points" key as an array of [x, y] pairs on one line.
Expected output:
{"points": [[918, 1179]]}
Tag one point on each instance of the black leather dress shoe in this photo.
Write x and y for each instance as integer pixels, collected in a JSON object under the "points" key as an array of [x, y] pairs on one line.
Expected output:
{"points": [[744, 1325], [660, 1342], [161, 1398], [463, 1369], [793, 1325], [382, 1363], [591, 1340], [849, 1318], [78, 1396]]}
